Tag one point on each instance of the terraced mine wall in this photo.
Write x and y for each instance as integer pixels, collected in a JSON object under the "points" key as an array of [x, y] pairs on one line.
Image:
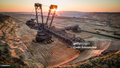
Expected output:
{"points": [[9, 52]]}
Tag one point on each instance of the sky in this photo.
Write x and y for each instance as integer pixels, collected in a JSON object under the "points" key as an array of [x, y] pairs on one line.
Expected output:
{"points": [[63, 5]]}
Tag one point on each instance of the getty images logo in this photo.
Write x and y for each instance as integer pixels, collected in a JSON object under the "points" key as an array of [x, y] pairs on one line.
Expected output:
{"points": [[83, 45]]}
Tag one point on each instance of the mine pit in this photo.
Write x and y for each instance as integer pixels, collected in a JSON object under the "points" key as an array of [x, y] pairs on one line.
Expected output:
{"points": [[20, 38]]}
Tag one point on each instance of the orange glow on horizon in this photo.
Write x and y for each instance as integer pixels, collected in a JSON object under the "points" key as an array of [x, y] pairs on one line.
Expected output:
{"points": [[63, 5]]}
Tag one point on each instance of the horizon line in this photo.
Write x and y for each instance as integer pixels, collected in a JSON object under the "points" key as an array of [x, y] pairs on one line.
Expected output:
{"points": [[78, 11]]}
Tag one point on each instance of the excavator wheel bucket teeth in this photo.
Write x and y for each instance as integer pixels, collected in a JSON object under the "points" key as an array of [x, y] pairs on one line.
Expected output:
{"points": [[47, 42], [51, 40]]}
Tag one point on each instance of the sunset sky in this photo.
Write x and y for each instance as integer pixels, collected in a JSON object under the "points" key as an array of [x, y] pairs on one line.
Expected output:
{"points": [[63, 5]]}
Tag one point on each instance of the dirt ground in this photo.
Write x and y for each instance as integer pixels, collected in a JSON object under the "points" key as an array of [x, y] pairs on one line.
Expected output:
{"points": [[57, 53]]}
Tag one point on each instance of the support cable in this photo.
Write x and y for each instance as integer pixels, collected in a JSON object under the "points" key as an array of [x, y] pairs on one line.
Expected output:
{"points": [[32, 12]]}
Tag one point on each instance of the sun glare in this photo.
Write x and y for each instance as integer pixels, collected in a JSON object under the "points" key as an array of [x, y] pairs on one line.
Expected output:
{"points": [[54, 10]]}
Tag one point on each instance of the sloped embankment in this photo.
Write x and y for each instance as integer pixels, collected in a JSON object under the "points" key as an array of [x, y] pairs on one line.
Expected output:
{"points": [[9, 52], [107, 61]]}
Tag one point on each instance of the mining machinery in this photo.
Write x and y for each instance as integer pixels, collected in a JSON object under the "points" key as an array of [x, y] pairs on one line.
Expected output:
{"points": [[46, 31]]}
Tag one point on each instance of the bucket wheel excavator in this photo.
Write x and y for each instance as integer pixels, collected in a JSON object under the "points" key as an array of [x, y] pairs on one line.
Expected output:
{"points": [[46, 31]]}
